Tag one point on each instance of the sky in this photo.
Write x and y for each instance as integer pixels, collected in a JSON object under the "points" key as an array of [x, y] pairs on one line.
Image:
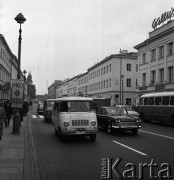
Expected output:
{"points": [[63, 38]]}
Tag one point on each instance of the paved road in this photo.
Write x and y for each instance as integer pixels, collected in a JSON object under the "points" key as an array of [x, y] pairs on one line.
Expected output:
{"points": [[79, 158]]}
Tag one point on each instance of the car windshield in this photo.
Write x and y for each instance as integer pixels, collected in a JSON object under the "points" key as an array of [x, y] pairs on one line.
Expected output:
{"points": [[117, 111], [76, 106]]}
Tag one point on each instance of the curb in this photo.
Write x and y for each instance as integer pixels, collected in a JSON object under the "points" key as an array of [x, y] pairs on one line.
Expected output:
{"points": [[31, 168]]}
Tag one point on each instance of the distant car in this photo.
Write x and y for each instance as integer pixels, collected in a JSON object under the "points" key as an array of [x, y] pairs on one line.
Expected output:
{"points": [[40, 109], [113, 118], [130, 110]]}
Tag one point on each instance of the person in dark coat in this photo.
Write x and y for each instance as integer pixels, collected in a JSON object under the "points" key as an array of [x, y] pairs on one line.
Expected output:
{"points": [[8, 111], [2, 119]]}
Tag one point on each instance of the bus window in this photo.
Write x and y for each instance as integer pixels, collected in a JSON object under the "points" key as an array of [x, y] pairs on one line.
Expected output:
{"points": [[172, 100], [141, 101], [151, 101], [158, 101], [145, 101], [165, 100]]}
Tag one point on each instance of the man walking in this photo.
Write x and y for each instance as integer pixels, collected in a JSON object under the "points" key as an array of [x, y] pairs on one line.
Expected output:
{"points": [[2, 119]]}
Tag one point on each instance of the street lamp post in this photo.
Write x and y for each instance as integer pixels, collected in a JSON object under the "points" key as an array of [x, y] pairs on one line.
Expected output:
{"points": [[16, 122], [122, 76]]}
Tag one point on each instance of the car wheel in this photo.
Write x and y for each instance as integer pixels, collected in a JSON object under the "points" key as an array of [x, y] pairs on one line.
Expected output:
{"points": [[134, 131], [109, 128], [93, 137]]}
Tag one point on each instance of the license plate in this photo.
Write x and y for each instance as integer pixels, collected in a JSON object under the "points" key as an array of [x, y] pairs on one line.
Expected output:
{"points": [[80, 129]]}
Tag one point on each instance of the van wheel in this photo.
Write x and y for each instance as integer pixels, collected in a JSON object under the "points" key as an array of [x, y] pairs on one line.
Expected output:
{"points": [[134, 131], [93, 137]]}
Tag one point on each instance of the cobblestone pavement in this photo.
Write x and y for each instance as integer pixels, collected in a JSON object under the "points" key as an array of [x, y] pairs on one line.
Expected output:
{"points": [[18, 160]]}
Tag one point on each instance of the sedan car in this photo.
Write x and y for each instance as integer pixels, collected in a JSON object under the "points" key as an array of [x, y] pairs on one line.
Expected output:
{"points": [[112, 118], [40, 108]]}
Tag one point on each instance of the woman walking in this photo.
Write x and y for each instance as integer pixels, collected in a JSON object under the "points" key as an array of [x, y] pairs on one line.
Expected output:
{"points": [[8, 111], [2, 119]]}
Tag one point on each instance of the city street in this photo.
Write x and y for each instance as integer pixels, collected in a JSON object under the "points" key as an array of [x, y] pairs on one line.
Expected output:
{"points": [[148, 154]]}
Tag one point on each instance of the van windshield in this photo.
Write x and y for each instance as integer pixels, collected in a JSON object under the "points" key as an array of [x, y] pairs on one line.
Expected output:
{"points": [[76, 106]]}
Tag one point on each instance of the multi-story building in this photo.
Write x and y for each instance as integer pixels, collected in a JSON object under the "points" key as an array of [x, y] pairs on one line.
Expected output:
{"points": [[115, 76], [52, 89], [156, 59], [8, 68], [83, 84]]}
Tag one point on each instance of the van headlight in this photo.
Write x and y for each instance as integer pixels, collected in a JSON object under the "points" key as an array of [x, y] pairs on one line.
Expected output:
{"points": [[94, 123], [66, 124]]}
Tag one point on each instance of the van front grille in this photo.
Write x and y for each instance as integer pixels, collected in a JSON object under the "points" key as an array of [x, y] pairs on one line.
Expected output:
{"points": [[80, 122]]}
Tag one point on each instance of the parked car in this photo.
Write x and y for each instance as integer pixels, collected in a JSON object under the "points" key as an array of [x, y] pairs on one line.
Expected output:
{"points": [[48, 108], [112, 118], [40, 108], [130, 110]]}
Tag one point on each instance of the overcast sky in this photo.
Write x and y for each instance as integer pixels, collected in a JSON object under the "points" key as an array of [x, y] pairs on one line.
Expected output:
{"points": [[63, 38]]}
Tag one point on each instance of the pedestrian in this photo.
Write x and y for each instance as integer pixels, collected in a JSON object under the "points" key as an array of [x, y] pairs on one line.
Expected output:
{"points": [[8, 111], [25, 108], [2, 119]]}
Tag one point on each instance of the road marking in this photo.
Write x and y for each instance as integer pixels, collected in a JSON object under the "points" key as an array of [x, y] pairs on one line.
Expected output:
{"points": [[41, 116], [130, 148], [157, 134], [33, 116]]}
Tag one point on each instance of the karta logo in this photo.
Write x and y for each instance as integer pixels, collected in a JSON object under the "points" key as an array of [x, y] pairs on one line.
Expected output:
{"points": [[115, 168]]}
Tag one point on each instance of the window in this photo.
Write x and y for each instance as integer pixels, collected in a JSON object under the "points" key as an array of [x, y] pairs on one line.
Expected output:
{"points": [[106, 83], [109, 82], [128, 82], [101, 71], [158, 101], [109, 67], [161, 74], [172, 100], [161, 51], [128, 67], [144, 58], [145, 101], [153, 77], [104, 70], [141, 101], [165, 100], [136, 67], [151, 101], [170, 49], [128, 101], [170, 70], [144, 79], [136, 82], [101, 84], [153, 54]]}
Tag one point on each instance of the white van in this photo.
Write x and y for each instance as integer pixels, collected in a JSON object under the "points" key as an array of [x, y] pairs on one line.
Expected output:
{"points": [[75, 116]]}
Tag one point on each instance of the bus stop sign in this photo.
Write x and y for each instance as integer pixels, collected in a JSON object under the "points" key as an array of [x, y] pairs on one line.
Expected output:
{"points": [[17, 93]]}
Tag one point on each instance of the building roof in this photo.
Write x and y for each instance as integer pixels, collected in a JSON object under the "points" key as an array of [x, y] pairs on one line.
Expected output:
{"points": [[130, 55]]}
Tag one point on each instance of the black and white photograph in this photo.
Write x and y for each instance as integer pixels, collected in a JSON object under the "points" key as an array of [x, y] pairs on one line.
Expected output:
{"points": [[86, 89]]}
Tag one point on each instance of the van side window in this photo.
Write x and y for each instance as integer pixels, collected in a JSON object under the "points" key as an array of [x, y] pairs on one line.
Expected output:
{"points": [[151, 101], [165, 100], [172, 100], [145, 101], [158, 101]]}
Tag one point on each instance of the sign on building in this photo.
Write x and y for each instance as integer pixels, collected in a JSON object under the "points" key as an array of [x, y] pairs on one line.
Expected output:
{"points": [[17, 93]]}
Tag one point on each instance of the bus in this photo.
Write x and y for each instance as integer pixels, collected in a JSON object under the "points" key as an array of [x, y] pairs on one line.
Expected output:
{"points": [[74, 116], [47, 109], [157, 107]]}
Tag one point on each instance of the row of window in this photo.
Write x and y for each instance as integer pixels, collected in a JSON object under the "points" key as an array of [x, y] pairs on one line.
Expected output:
{"points": [[4, 75], [100, 85], [170, 76], [100, 72], [166, 100], [169, 52], [4, 55]]}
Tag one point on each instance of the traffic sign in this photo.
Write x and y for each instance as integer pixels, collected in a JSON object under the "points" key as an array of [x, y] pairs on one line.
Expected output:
{"points": [[17, 93]]}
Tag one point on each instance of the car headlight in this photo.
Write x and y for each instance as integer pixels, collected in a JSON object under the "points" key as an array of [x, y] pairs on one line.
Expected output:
{"points": [[118, 120], [93, 123], [66, 124]]}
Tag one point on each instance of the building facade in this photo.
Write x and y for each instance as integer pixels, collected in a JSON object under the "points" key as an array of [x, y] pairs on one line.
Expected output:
{"points": [[115, 76], [52, 89], [156, 59]]}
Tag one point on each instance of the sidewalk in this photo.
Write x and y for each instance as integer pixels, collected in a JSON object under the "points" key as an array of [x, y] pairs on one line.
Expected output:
{"points": [[18, 160]]}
